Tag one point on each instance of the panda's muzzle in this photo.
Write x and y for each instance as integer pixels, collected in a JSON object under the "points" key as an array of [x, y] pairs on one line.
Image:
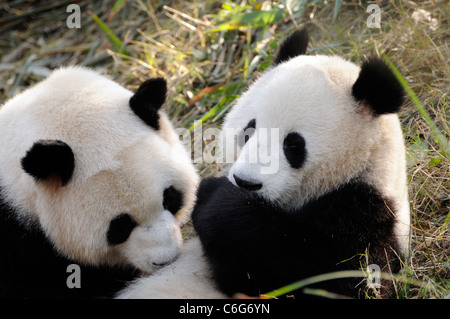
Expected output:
{"points": [[248, 185]]}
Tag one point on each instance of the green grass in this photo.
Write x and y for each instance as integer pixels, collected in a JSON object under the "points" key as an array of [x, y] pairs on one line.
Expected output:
{"points": [[210, 51], [117, 45]]}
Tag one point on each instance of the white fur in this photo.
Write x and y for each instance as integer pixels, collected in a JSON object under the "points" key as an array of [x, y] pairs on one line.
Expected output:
{"points": [[121, 166], [188, 277]]}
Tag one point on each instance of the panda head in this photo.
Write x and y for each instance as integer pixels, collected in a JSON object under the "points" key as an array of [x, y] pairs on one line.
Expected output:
{"points": [[313, 121], [98, 168]]}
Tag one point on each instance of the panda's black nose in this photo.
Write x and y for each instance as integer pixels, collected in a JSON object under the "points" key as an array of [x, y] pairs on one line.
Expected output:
{"points": [[250, 186]]}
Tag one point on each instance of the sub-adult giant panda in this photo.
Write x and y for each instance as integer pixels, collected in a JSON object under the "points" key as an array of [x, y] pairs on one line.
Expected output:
{"points": [[92, 175], [332, 197]]}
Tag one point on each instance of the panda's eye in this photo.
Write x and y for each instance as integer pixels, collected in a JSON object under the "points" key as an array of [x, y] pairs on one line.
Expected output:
{"points": [[294, 149], [247, 132], [120, 229], [172, 200]]}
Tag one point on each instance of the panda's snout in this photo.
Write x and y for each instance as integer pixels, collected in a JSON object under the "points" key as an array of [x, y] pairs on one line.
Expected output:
{"points": [[248, 185]]}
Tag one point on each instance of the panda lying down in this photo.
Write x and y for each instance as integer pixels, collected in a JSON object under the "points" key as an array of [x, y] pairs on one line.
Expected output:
{"points": [[91, 176], [338, 200]]}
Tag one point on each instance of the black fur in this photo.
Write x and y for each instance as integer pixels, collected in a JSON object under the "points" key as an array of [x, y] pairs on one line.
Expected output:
{"points": [[254, 247], [172, 200], [378, 87], [294, 148], [120, 229], [148, 99], [293, 46], [251, 126], [48, 158], [31, 268]]}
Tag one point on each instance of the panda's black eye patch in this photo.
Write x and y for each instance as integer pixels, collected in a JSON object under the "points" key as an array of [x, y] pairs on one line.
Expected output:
{"points": [[120, 229], [247, 132], [294, 149], [172, 200]]}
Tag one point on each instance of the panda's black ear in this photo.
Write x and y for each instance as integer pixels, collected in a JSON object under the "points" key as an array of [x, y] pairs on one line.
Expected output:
{"points": [[148, 99], [378, 87], [294, 45], [49, 158]]}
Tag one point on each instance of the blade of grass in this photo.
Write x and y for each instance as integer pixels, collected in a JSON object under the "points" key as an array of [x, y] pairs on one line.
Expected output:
{"points": [[324, 294], [116, 8], [438, 136], [113, 39], [336, 275], [203, 92], [337, 7]]}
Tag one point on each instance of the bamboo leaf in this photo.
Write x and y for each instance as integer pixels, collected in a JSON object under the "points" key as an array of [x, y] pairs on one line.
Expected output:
{"points": [[253, 19]]}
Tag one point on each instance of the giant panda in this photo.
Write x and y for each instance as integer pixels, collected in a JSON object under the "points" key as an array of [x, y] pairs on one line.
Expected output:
{"points": [[335, 200], [94, 185]]}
